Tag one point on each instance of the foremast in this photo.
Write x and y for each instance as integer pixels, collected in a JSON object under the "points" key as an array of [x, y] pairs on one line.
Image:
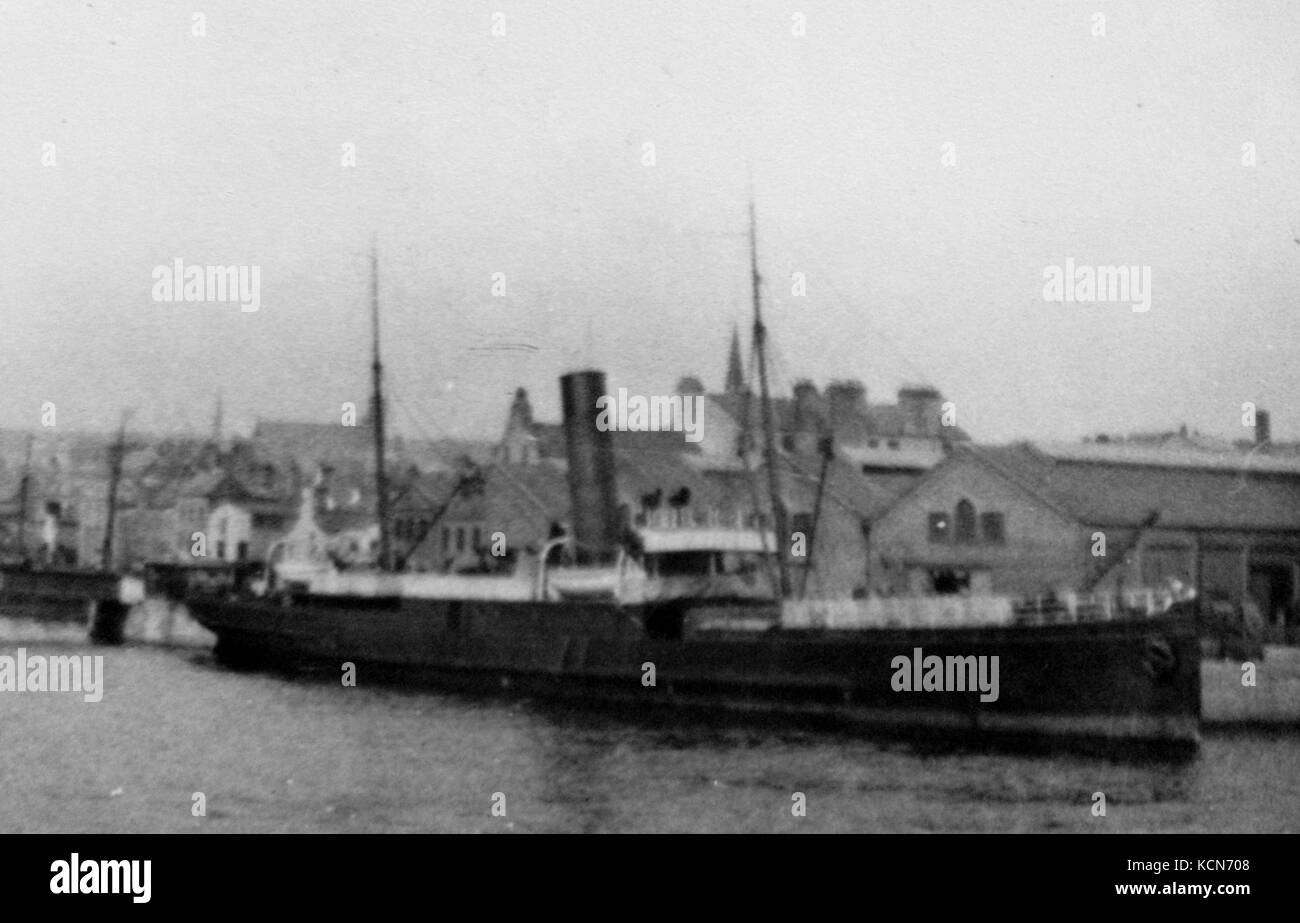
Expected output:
{"points": [[116, 457], [385, 561], [765, 401]]}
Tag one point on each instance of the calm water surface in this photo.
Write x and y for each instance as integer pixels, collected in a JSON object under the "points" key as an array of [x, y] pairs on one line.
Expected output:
{"points": [[307, 755]]}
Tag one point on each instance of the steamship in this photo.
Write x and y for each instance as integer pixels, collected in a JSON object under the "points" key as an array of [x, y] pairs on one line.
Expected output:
{"points": [[599, 615]]}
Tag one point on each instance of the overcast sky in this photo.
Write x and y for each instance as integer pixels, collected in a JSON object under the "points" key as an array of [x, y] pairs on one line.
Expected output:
{"points": [[524, 154]]}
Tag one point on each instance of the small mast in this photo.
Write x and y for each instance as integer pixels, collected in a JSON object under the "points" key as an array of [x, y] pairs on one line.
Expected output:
{"points": [[377, 400], [24, 491], [769, 440], [116, 455]]}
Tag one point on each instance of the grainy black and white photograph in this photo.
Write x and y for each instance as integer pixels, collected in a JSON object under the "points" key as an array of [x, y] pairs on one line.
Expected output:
{"points": [[848, 417]]}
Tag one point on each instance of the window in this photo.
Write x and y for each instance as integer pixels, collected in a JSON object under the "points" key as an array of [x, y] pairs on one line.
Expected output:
{"points": [[683, 564], [964, 530], [446, 538], [993, 528], [460, 538], [939, 527], [478, 538], [948, 581]]}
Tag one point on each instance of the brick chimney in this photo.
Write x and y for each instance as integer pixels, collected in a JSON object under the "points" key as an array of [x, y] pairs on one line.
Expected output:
{"points": [[921, 408], [846, 402], [809, 420], [1263, 431]]}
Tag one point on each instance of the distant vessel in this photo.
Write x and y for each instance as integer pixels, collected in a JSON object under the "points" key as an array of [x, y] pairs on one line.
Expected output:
{"points": [[96, 597], [677, 616]]}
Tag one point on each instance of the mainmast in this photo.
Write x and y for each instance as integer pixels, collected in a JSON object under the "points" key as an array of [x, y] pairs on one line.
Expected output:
{"points": [[24, 490], [769, 440], [116, 453], [377, 410]]}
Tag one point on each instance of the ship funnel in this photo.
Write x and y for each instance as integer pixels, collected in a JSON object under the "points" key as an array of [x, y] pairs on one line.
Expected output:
{"points": [[592, 493]]}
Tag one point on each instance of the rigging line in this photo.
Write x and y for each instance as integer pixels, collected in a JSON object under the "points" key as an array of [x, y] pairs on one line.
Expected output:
{"points": [[523, 489], [920, 374], [452, 460], [831, 492], [505, 473], [827, 279]]}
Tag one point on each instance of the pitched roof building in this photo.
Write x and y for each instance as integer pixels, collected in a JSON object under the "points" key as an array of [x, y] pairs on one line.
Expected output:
{"points": [[1024, 520]]}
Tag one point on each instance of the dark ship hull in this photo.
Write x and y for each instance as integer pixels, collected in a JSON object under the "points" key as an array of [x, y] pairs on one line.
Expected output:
{"points": [[73, 597], [1118, 683]]}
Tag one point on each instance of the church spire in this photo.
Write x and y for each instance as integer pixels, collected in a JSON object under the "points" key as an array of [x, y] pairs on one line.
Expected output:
{"points": [[735, 370]]}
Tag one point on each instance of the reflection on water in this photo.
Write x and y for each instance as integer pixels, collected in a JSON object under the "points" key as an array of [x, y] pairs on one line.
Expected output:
{"points": [[273, 754]]}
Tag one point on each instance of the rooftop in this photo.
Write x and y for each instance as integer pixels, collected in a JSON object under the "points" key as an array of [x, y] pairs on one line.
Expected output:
{"points": [[1124, 492]]}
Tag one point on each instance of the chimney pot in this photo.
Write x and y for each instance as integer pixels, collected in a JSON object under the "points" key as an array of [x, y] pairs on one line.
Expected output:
{"points": [[1263, 428]]}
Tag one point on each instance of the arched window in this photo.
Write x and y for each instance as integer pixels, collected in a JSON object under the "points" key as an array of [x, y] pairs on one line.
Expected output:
{"points": [[964, 529]]}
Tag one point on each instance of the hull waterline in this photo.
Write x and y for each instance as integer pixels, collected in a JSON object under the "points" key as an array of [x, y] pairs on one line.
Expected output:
{"points": [[1115, 683]]}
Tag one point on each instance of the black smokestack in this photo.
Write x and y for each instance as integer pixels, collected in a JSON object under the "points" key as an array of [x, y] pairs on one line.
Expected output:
{"points": [[591, 468]]}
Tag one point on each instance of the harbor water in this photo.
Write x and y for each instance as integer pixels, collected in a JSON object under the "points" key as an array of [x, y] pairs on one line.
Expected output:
{"points": [[269, 753]]}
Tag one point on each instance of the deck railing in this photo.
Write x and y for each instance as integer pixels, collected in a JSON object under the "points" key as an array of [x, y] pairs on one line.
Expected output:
{"points": [[974, 610]]}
